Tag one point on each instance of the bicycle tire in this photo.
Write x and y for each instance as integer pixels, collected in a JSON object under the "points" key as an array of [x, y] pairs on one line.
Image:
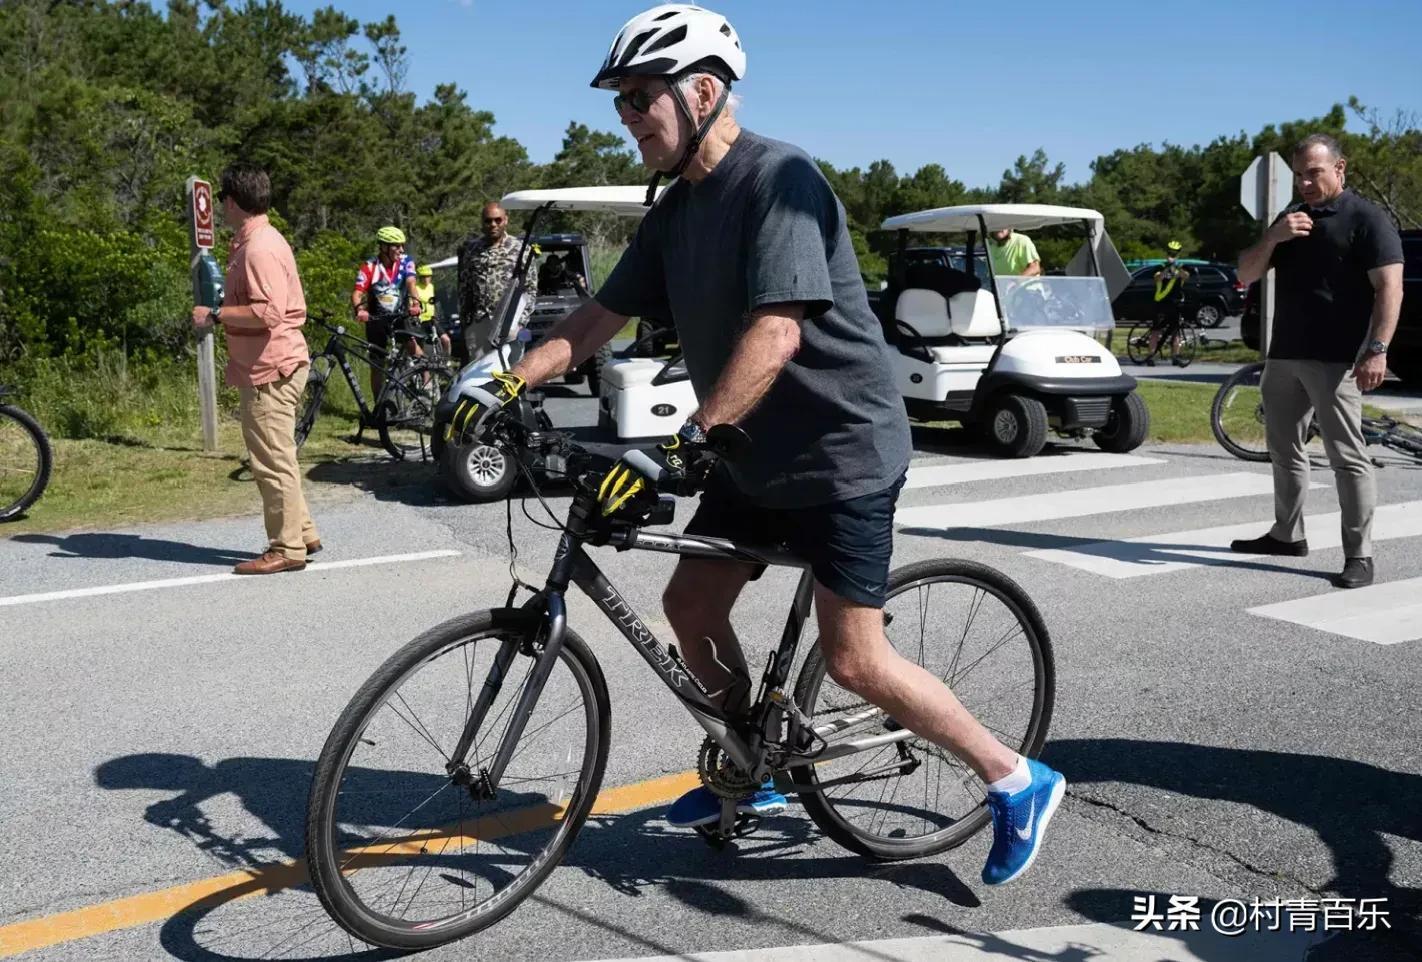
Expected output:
{"points": [[519, 810], [311, 397], [1237, 415], [1188, 337], [1138, 342], [835, 812], [25, 494], [404, 418]]}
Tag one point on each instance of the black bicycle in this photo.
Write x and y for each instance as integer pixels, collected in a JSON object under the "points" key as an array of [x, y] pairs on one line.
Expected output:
{"points": [[1237, 420], [402, 414], [459, 774], [1171, 335], [25, 459]]}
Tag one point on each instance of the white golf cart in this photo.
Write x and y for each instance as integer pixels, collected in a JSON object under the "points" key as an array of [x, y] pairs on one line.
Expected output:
{"points": [[480, 472], [1013, 356]]}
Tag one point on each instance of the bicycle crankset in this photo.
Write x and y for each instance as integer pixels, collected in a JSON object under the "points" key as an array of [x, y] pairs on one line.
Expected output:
{"points": [[722, 776]]}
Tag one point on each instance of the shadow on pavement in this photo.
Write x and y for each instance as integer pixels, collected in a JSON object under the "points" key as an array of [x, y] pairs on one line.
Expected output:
{"points": [[114, 546]]}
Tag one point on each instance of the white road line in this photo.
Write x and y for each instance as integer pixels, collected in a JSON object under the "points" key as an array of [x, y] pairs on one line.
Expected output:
{"points": [[1099, 942], [1384, 614], [960, 472], [316, 566], [1161, 553], [1087, 501]]}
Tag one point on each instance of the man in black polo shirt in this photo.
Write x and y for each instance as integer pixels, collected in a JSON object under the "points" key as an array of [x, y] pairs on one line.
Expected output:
{"points": [[1338, 264]]}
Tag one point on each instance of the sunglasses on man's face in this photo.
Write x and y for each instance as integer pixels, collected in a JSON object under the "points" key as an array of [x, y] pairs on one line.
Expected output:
{"points": [[639, 101], [495, 220]]}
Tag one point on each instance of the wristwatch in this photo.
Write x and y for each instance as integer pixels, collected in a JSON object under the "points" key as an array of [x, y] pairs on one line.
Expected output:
{"points": [[1377, 347], [692, 433]]}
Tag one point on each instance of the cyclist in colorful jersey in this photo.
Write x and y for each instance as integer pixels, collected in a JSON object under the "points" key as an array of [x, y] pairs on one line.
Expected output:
{"points": [[384, 297], [424, 290], [1170, 295]]}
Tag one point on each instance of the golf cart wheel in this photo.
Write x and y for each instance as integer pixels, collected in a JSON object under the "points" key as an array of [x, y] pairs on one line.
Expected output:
{"points": [[1016, 425], [1126, 426], [477, 472], [1209, 315], [594, 366]]}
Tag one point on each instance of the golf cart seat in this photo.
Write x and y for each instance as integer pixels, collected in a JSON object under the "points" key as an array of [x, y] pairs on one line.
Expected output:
{"points": [[926, 319]]}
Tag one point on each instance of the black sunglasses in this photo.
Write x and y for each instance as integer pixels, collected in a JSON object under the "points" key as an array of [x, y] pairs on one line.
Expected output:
{"points": [[495, 220], [636, 100]]}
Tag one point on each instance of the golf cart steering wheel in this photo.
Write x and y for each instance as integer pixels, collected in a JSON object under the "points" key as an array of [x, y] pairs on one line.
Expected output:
{"points": [[913, 343]]}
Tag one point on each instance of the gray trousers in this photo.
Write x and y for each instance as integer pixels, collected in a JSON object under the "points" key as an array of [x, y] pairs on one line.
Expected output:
{"points": [[1293, 392]]}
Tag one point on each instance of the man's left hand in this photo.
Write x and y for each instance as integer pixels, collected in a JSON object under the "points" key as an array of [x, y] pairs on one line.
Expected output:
{"points": [[1370, 371], [202, 318], [675, 466]]}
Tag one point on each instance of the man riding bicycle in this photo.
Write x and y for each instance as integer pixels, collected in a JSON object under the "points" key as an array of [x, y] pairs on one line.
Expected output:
{"points": [[1170, 298], [384, 298], [749, 252]]}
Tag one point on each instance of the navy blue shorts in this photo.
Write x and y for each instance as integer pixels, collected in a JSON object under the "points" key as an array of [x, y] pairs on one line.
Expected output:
{"points": [[848, 543]]}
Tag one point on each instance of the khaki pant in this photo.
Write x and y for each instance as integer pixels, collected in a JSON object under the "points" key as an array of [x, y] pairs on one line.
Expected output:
{"points": [[269, 428], [1294, 391]]}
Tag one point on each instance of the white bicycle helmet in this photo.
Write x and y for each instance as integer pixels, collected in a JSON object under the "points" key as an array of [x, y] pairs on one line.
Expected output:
{"points": [[673, 39]]}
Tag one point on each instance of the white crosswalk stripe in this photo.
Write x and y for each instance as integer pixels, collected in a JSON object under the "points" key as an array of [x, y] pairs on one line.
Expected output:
{"points": [[1385, 614], [1163, 553], [1082, 502], [961, 472]]}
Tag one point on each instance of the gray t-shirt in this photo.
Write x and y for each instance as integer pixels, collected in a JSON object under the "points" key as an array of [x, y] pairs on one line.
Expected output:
{"points": [[765, 228]]}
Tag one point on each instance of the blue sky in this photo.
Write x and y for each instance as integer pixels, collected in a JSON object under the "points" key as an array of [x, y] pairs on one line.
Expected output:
{"points": [[967, 85]]}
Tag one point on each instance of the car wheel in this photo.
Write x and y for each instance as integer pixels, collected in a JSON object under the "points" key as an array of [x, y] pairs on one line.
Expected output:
{"points": [[1209, 315], [1016, 425], [477, 472], [1127, 425]]}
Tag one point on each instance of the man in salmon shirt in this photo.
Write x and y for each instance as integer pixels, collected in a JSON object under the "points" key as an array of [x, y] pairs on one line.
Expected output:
{"points": [[262, 310]]}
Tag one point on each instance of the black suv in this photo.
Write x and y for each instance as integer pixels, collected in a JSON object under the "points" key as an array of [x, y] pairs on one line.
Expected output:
{"points": [[1212, 293], [1404, 354]]}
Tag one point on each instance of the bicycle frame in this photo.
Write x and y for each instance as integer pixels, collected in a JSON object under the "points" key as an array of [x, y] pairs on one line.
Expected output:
{"points": [[748, 744]]}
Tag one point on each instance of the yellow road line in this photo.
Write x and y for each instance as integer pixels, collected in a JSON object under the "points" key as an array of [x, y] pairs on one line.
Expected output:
{"points": [[209, 893]]}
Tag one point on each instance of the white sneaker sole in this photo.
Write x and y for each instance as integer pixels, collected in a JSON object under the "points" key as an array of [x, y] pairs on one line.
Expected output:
{"points": [[1044, 818]]}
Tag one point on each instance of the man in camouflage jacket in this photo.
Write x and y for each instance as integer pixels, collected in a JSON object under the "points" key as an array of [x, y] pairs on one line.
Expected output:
{"points": [[486, 266]]}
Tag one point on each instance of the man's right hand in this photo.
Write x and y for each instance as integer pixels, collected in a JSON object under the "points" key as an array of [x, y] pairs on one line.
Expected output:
{"points": [[477, 403], [1297, 224], [362, 315]]}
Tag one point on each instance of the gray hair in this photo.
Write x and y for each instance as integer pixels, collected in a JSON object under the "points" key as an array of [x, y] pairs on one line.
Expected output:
{"points": [[1335, 150], [686, 83]]}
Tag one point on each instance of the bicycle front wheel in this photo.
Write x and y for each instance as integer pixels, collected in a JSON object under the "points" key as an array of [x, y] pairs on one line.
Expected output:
{"points": [[978, 632], [1184, 344], [406, 853], [25, 462], [1237, 415], [311, 397], [405, 416]]}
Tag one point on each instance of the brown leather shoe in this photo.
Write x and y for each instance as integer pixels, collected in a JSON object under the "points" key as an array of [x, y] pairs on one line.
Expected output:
{"points": [[313, 546], [268, 564]]}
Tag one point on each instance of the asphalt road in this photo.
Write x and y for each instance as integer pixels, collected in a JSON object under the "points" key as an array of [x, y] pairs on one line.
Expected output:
{"points": [[160, 742]]}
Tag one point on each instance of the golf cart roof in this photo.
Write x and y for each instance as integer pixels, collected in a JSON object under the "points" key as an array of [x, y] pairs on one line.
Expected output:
{"points": [[622, 201], [996, 216]]}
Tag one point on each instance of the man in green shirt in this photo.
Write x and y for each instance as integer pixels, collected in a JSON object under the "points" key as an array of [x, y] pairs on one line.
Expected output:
{"points": [[1013, 255]]}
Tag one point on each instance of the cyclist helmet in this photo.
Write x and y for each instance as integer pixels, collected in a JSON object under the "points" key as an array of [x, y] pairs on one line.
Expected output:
{"points": [[1174, 247], [424, 270], [390, 235], [670, 40], [673, 40]]}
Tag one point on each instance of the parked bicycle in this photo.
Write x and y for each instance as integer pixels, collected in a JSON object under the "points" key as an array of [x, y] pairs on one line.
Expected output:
{"points": [[25, 459], [460, 773], [1171, 335], [1237, 420], [402, 414]]}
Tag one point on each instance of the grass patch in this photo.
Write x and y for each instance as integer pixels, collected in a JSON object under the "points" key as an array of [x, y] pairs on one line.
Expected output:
{"points": [[1212, 352]]}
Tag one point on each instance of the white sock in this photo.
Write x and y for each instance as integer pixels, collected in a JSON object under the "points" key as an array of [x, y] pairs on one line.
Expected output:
{"points": [[1011, 784]]}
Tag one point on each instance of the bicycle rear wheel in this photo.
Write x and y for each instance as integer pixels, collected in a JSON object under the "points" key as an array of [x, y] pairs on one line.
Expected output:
{"points": [[405, 855], [976, 630], [1138, 343], [25, 462], [1237, 415]]}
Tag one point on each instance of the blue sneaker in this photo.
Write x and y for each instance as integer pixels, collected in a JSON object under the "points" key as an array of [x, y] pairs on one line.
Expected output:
{"points": [[701, 806], [1019, 822]]}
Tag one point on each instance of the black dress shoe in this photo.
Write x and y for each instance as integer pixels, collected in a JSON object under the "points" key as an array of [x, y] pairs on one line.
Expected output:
{"points": [[1357, 573], [1269, 544]]}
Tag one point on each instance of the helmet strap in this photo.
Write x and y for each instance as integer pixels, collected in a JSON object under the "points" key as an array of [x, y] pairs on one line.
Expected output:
{"points": [[698, 135]]}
